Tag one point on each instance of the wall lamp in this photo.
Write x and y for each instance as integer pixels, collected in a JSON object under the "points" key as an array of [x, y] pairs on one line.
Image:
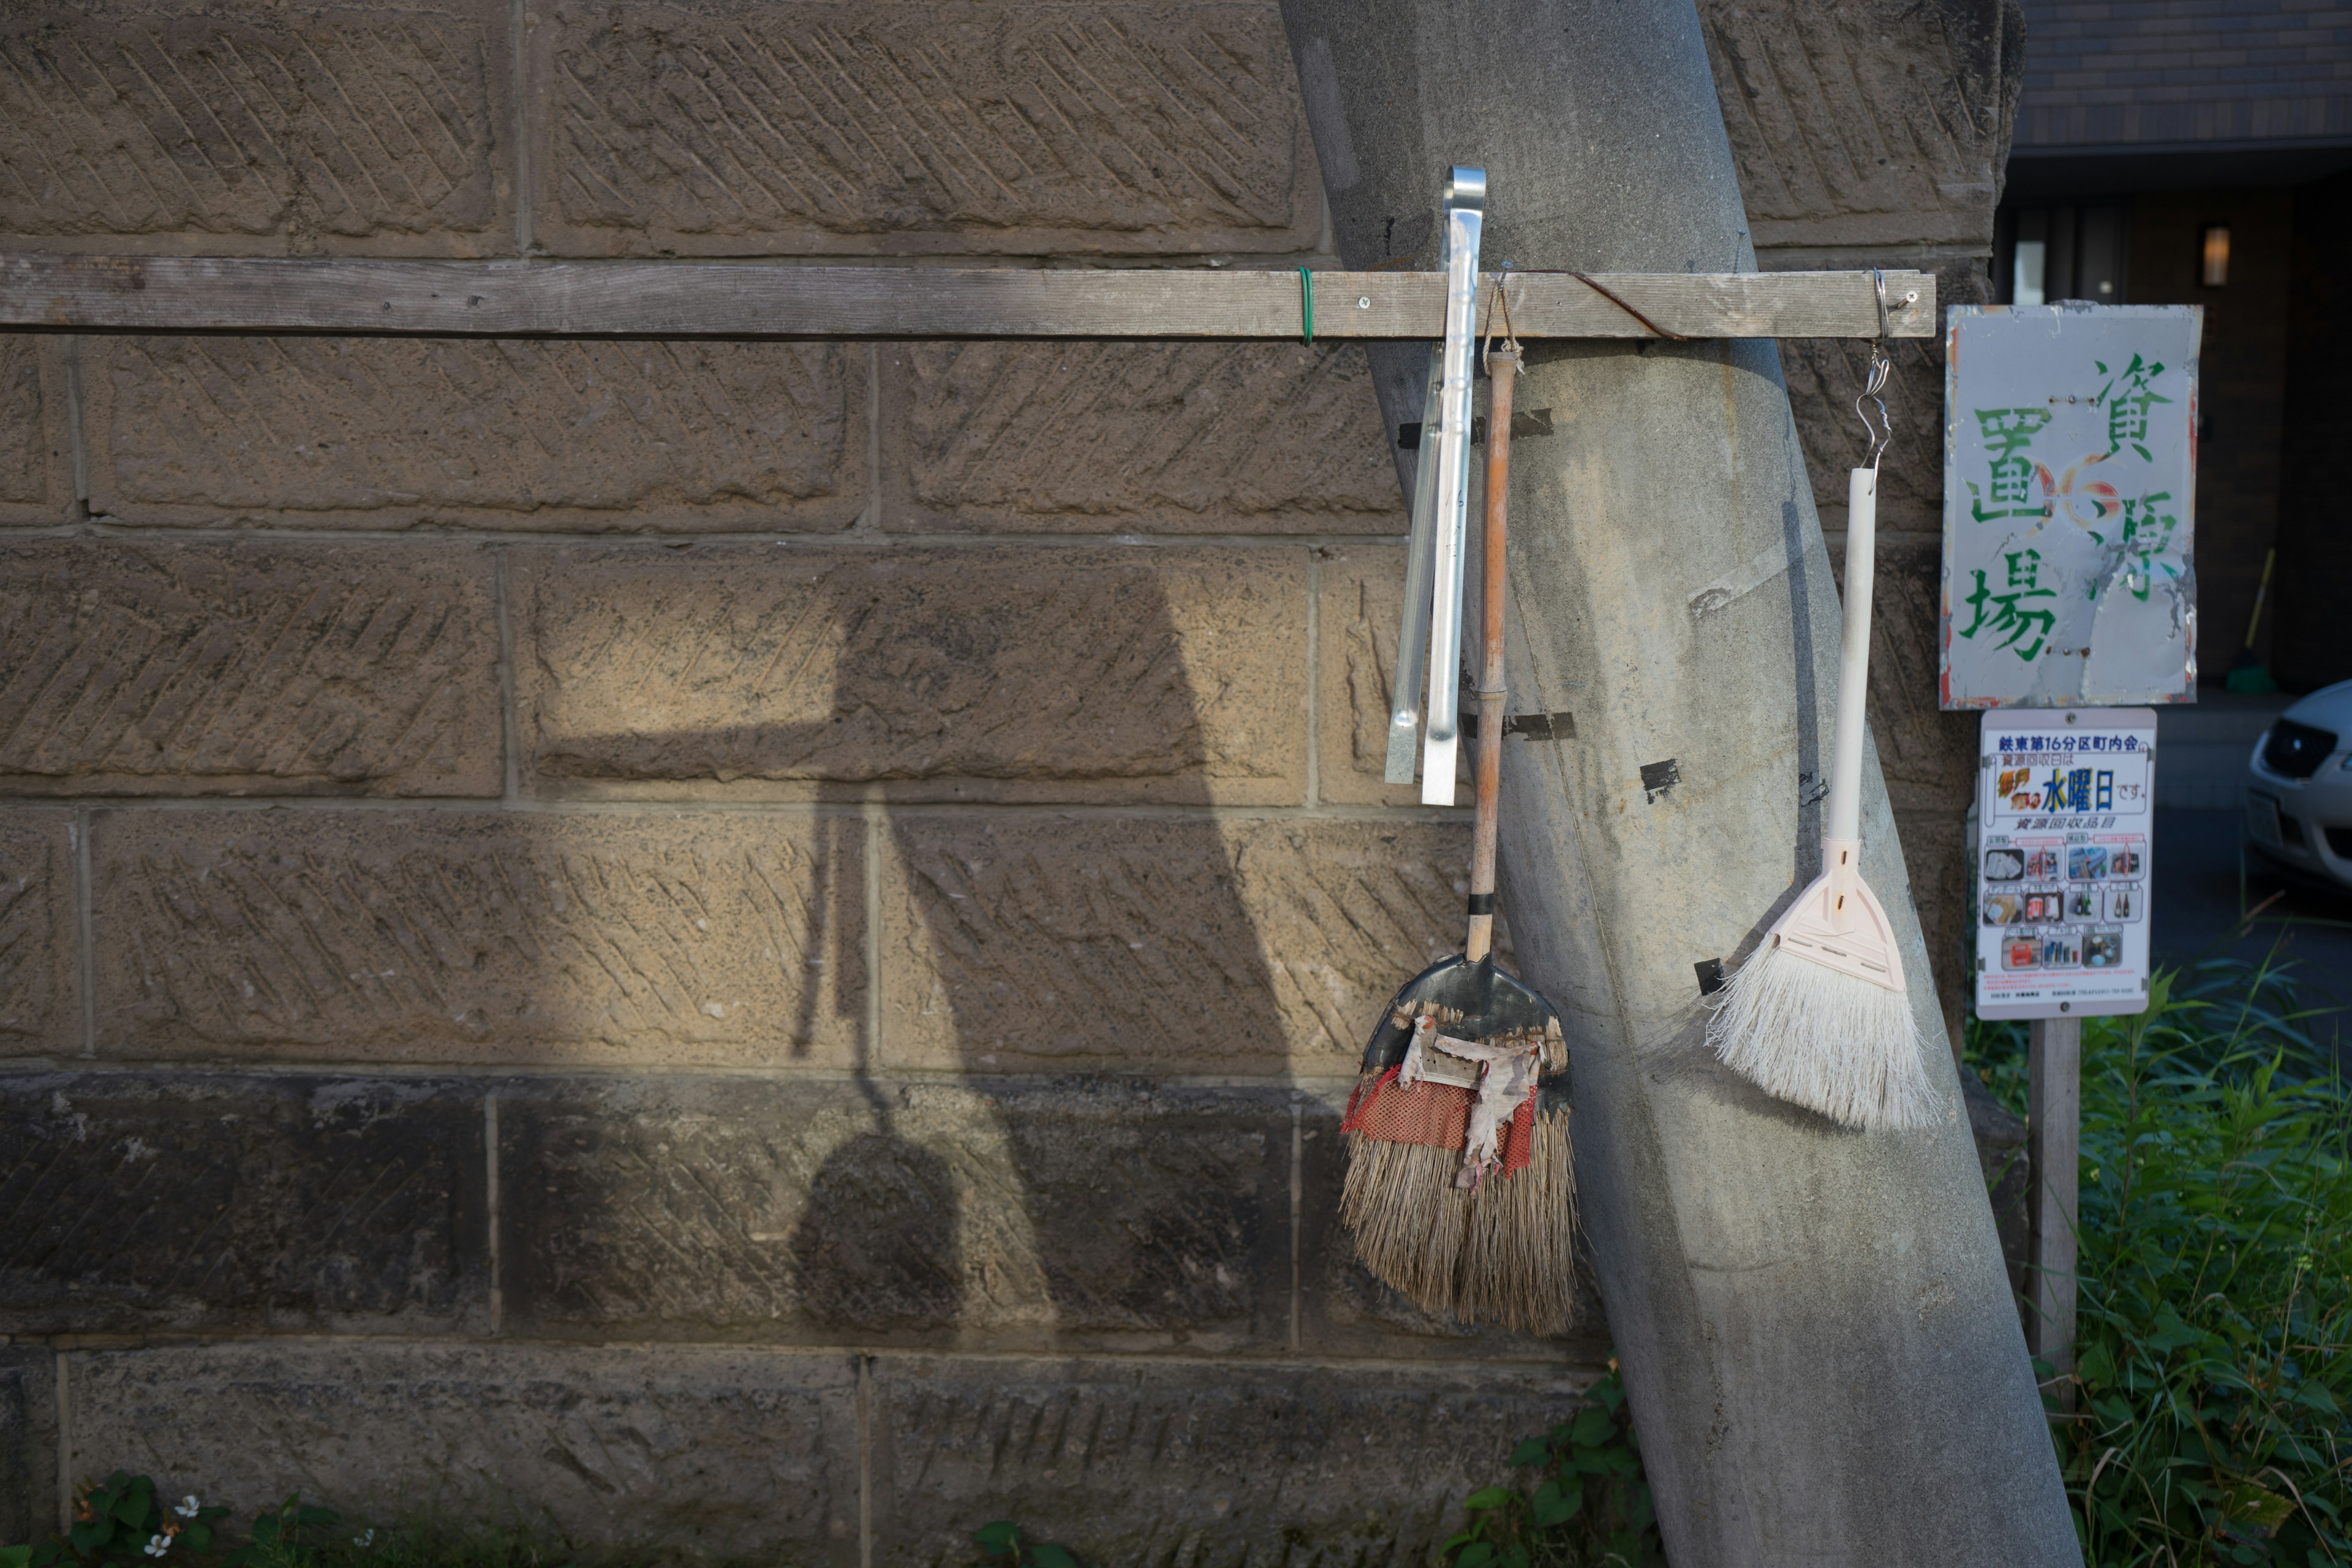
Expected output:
{"points": [[2214, 269]]}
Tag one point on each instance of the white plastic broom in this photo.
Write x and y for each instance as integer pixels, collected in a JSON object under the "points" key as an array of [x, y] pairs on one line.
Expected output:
{"points": [[1819, 1014]]}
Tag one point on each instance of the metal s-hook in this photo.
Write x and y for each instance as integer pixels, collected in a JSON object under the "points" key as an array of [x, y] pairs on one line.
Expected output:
{"points": [[1881, 435], [1511, 336]]}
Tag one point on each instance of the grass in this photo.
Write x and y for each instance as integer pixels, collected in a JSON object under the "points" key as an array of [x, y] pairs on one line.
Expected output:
{"points": [[2215, 1276]]}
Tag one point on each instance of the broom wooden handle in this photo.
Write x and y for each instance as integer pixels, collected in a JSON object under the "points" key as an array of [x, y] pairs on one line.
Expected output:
{"points": [[1502, 370]]}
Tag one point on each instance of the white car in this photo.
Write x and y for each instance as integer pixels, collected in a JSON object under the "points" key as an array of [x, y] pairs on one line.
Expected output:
{"points": [[2299, 788]]}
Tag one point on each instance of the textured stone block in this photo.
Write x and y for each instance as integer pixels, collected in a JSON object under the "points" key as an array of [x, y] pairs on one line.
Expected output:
{"points": [[1163, 438], [1161, 1462], [2006, 1159], [998, 1214], [280, 668], [1157, 945], [251, 128], [1825, 374], [1936, 860], [479, 937], [714, 1455], [28, 1442], [144, 1202], [1006, 673], [1359, 602], [35, 445], [1928, 755], [40, 946], [723, 128], [1876, 123], [381, 433]]}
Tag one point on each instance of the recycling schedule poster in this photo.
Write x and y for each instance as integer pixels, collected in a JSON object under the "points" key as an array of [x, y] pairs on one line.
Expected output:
{"points": [[2065, 802]]}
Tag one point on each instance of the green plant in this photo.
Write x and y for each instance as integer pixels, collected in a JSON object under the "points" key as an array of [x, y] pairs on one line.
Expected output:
{"points": [[296, 1534], [2211, 1377], [120, 1522], [1003, 1543], [1590, 1504], [125, 1523]]}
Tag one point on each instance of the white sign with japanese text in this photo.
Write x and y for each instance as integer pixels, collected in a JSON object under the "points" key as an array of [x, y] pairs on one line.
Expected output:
{"points": [[2070, 482], [2065, 803]]}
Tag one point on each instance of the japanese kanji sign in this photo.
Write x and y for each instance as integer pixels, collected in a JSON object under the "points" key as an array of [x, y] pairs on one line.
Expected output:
{"points": [[2070, 483], [2065, 805]]}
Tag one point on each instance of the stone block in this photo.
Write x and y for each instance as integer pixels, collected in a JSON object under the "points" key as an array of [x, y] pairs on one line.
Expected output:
{"points": [[1936, 860], [711, 1454], [1825, 374], [2006, 1158], [1930, 756], [1360, 598], [1167, 1462], [229, 668], [1345, 1311], [1876, 123], [1155, 438], [1157, 945], [249, 128], [36, 445], [28, 1442], [146, 1202], [996, 673], [382, 433], [726, 128], [999, 1214], [40, 943], [498, 937]]}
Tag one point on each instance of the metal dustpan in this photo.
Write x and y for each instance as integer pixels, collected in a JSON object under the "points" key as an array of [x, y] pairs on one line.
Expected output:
{"points": [[1469, 999]]}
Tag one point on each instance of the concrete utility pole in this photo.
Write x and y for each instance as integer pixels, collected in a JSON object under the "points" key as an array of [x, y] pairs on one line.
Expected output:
{"points": [[1823, 1354]]}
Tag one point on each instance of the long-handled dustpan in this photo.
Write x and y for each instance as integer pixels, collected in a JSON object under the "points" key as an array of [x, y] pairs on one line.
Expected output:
{"points": [[1461, 1188], [1820, 1014]]}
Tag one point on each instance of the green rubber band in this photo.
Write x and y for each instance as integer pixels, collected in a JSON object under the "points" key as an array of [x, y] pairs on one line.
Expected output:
{"points": [[1307, 302]]}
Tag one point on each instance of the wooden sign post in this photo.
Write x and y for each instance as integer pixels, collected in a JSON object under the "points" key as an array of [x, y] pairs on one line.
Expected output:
{"points": [[2053, 1144]]}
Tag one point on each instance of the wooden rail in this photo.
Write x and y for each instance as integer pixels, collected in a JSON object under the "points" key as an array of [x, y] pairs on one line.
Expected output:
{"points": [[48, 293]]}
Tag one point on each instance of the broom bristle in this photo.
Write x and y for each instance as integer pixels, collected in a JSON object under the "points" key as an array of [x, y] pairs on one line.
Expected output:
{"points": [[1503, 1252], [1808, 1034]]}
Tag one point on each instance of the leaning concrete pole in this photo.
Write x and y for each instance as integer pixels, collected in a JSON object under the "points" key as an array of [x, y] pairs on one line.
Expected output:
{"points": [[1823, 1356]]}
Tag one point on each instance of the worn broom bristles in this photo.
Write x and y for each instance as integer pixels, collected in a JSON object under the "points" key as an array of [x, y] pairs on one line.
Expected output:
{"points": [[1806, 1032], [1502, 1252]]}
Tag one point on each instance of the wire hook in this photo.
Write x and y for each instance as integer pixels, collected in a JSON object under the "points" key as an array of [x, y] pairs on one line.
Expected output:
{"points": [[1511, 336], [1881, 435]]}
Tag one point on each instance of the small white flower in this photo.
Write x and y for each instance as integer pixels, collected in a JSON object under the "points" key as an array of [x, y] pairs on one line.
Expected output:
{"points": [[188, 1507], [158, 1544], [365, 1541]]}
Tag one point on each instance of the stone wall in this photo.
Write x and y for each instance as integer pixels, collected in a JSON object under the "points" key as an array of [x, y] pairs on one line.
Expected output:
{"points": [[757, 946]]}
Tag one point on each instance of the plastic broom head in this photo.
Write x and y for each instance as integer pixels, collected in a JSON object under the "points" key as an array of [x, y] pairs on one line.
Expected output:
{"points": [[1819, 1014]]}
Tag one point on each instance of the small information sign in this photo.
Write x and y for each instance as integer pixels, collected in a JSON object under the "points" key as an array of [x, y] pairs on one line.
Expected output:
{"points": [[2066, 803]]}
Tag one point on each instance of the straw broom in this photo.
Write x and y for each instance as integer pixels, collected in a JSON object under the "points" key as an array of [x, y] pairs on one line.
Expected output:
{"points": [[1461, 1188]]}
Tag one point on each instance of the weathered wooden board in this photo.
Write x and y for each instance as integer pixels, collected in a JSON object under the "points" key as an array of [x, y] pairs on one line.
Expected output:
{"points": [[664, 300]]}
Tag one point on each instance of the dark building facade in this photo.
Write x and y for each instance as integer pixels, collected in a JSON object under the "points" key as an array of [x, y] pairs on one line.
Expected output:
{"points": [[2199, 152]]}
